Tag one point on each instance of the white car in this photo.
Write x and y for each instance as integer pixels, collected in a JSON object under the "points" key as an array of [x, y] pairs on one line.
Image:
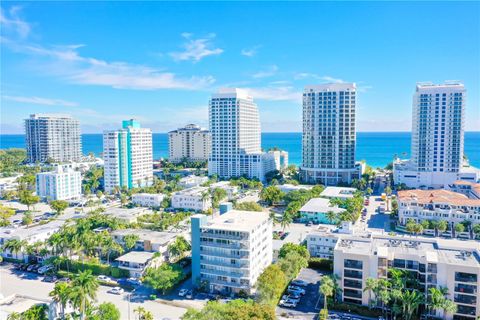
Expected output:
{"points": [[296, 289], [189, 294], [182, 292], [289, 304], [116, 290], [104, 278], [44, 269], [135, 281], [299, 283]]}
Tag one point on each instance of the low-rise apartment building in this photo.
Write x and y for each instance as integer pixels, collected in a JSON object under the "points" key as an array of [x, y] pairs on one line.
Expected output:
{"points": [[148, 240], [316, 209], [196, 199], [136, 262], [225, 185], [127, 215], [470, 189], [338, 192], [290, 187], [229, 252], [192, 181], [433, 262], [446, 205], [62, 184], [151, 200]]}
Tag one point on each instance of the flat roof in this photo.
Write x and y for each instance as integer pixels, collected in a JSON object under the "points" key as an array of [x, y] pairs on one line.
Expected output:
{"points": [[338, 192], [23, 233], [237, 220], [195, 191], [145, 234], [124, 211], [320, 205], [437, 196], [136, 257]]}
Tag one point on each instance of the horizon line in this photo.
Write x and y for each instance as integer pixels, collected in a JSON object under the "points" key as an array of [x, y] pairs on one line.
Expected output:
{"points": [[478, 131]]}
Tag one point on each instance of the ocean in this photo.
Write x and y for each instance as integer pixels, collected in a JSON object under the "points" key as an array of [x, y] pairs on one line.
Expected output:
{"points": [[377, 148]]}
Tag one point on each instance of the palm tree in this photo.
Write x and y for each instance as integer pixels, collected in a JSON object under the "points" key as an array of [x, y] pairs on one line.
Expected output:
{"points": [[436, 299], [448, 306], [14, 246], [411, 300], [331, 216], [143, 314], [326, 288], [371, 285], [84, 288], [61, 294], [286, 220]]}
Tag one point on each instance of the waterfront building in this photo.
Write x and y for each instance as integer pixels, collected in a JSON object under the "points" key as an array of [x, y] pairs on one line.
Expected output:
{"points": [[437, 205], [329, 136], [152, 200], [452, 264], [235, 128], [63, 183], [190, 143], [280, 159], [438, 122], [196, 199], [229, 252], [52, 137], [470, 189], [128, 156]]}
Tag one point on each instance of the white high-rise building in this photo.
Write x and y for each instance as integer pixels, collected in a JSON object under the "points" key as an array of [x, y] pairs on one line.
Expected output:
{"points": [[328, 142], [128, 156], [52, 137], [62, 184], [230, 252], [235, 129], [190, 143], [437, 138]]}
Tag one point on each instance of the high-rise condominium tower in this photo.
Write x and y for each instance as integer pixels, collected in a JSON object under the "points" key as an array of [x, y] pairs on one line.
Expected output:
{"points": [[128, 156], [328, 142], [235, 129], [437, 138], [52, 137], [190, 143]]}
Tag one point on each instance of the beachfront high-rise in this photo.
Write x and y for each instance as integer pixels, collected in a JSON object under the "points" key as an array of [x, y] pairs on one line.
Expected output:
{"points": [[328, 141], [128, 156], [190, 143], [235, 128], [437, 138], [52, 137]]}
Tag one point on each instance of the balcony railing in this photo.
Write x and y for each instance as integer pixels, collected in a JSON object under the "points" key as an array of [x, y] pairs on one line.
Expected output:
{"points": [[224, 245]]}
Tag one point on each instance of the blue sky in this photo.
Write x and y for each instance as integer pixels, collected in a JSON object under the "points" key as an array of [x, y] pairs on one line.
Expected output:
{"points": [[159, 62]]}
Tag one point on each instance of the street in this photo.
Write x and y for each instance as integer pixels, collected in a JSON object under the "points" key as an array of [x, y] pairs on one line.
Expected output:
{"points": [[30, 284]]}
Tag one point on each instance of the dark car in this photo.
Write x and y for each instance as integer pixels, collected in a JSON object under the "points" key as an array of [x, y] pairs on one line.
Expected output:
{"points": [[50, 279], [64, 280]]}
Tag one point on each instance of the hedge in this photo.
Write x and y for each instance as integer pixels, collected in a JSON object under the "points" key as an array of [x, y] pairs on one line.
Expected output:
{"points": [[97, 269], [320, 264], [357, 309]]}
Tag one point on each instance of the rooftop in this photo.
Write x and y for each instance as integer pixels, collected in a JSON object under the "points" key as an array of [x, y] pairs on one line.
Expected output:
{"points": [[136, 257], [237, 220], [24, 233], [437, 196], [320, 205], [149, 235], [232, 93], [330, 87], [338, 192], [195, 191]]}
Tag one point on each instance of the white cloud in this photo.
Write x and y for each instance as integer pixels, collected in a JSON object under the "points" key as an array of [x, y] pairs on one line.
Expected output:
{"points": [[306, 75], [270, 71], [11, 22], [42, 101], [196, 49], [249, 52], [332, 79]]}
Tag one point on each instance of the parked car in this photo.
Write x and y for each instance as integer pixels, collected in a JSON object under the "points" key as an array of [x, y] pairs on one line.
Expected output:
{"points": [[36, 267], [116, 290], [134, 281], [65, 279], [299, 283], [30, 267], [45, 269], [104, 278], [189, 294], [296, 289], [50, 279], [182, 292], [288, 304]]}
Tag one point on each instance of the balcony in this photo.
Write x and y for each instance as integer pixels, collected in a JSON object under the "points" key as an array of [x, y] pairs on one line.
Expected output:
{"points": [[352, 283], [465, 299], [231, 274], [465, 277], [243, 255], [352, 274], [353, 264], [240, 265], [465, 288], [235, 245]]}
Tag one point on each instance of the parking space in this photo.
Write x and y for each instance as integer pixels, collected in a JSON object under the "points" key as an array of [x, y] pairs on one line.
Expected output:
{"points": [[308, 307]]}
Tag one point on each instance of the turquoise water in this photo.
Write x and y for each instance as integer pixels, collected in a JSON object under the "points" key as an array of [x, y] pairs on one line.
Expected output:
{"points": [[378, 148]]}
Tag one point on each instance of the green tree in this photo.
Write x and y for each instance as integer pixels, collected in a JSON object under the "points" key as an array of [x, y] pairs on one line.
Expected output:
{"points": [[411, 300], [143, 314], [448, 307], [248, 206], [27, 198], [371, 286], [331, 216], [476, 229], [84, 289], [271, 195], [130, 240], [287, 219], [14, 246], [59, 206], [5, 214], [270, 285], [442, 226], [36, 312], [292, 247], [107, 311], [163, 278], [179, 247], [218, 194], [61, 295], [292, 263], [459, 227], [27, 219], [233, 310], [326, 289]]}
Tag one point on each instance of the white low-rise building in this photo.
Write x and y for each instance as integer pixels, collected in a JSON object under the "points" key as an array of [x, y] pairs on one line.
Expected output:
{"points": [[62, 184], [148, 240], [437, 205], [470, 189], [225, 185], [126, 215], [451, 264], [315, 210], [197, 199], [136, 262], [286, 188], [152, 200], [229, 252], [30, 235], [192, 181], [8, 184], [338, 192]]}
